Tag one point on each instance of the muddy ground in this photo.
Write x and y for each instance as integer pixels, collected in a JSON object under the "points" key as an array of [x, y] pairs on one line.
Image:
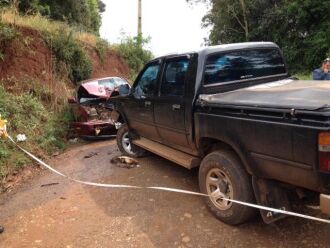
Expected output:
{"points": [[67, 214]]}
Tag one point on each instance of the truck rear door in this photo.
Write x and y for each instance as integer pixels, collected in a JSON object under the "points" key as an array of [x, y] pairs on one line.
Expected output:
{"points": [[169, 107]]}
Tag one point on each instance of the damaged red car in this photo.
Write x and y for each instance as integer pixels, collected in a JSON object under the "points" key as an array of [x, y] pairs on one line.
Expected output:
{"points": [[91, 111]]}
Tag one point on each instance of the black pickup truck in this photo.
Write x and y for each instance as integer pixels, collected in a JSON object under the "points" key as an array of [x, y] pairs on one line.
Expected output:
{"points": [[256, 134]]}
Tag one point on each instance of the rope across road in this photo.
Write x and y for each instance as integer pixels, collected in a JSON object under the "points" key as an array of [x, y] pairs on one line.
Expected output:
{"points": [[173, 190]]}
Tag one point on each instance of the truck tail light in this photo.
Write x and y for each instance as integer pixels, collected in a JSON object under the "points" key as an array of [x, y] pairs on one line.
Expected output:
{"points": [[324, 151]]}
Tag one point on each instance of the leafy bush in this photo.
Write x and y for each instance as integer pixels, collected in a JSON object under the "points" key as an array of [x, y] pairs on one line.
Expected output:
{"points": [[71, 58], [131, 48], [81, 65]]}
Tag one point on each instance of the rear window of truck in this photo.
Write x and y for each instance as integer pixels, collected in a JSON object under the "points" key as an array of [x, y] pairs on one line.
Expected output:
{"points": [[243, 65]]}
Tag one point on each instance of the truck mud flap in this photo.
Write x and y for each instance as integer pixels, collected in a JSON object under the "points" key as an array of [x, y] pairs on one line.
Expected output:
{"points": [[270, 194]]}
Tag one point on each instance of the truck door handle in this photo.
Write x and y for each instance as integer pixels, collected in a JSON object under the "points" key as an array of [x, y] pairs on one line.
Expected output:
{"points": [[176, 106], [147, 103]]}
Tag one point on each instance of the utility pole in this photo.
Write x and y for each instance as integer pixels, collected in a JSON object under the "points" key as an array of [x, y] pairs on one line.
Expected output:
{"points": [[140, 18]]}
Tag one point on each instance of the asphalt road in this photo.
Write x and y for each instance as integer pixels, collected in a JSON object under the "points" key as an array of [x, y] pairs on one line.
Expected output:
{"points": [[67, 214]]}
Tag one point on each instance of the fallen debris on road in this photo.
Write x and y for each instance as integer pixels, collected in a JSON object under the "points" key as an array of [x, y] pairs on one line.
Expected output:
{"points": [[48, 184], [92, 154], [125, 162]]}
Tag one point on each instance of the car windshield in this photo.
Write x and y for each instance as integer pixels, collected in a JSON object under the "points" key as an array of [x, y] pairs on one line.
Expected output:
{"points": [[112, 83]]}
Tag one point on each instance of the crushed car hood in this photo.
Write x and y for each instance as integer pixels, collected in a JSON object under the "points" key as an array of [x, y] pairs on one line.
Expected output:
{"points": [[94, 89], [288, 93]]}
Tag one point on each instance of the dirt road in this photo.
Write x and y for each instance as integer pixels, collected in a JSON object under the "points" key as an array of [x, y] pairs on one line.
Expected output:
{"points": [[68, 214]]}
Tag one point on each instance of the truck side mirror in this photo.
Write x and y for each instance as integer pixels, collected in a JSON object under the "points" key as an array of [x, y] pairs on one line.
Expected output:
{"points": [[124, 90]]}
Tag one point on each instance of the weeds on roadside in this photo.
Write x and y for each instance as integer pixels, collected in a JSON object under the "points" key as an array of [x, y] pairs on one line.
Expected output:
{"points": [[45, 129], [40, 110], [52, 95], [304, 76]]}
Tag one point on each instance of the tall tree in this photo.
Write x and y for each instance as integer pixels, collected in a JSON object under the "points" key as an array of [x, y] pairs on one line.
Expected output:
{"points": [[299, 27]]}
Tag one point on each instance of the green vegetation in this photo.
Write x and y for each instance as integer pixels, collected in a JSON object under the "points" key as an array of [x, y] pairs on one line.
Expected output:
{"points": [[299, 27], [134, 53], [45, 129], [83, 13], [71, 58], [304, 76], [36, 22], [102, 46], [48, 120], [53, 97], [68, 41], [7, 34]]}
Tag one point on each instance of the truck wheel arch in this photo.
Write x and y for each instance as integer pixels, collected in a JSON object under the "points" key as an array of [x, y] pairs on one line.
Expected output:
{"points": [[208, 145], [121, 117]]}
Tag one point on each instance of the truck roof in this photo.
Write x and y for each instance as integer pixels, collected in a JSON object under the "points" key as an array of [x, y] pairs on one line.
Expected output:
{"points": [[224, 47]]}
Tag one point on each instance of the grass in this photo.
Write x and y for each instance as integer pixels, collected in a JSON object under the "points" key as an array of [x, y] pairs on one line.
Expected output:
{"points": [[87, 38], [67, 42], [131, 48], [45, 128], [32, 107], [36, 109], [304, 76], [43, 24], [72, 59], [102, 46], [53, 95], [7, 34]]}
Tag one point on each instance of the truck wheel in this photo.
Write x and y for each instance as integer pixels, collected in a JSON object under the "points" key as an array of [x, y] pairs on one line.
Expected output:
{"points": [[222, 175], [125, 145]]}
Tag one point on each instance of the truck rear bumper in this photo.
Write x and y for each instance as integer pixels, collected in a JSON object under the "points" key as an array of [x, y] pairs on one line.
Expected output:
{"points": [[325, 203]]}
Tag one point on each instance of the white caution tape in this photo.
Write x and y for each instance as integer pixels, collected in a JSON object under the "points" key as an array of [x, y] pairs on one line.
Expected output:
{"points": [[280, 211]]}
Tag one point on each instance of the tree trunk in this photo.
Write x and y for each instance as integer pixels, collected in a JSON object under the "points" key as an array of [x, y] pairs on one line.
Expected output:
{"points": [[245, 26]]}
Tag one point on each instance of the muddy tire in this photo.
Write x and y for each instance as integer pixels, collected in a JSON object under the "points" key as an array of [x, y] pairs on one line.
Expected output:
{"points": [[222, 175], [125, 145]]}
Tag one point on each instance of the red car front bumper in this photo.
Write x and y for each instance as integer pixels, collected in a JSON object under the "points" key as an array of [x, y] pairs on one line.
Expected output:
{"points": [[94, 128]]}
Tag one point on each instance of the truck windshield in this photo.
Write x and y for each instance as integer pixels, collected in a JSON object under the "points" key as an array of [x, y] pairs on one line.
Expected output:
{"points": [[242, 65]]}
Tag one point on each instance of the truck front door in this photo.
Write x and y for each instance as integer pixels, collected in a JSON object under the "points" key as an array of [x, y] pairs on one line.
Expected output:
{"points": [[139, 107], [169, 107]]}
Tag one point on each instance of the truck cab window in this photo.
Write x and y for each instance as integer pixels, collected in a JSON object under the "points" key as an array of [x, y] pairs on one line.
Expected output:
{"points": [[147, 83], [243, 65], [174, 77]]}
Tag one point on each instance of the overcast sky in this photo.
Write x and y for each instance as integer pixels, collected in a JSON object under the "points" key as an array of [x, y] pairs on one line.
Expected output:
{"points": [[173, 25]]}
